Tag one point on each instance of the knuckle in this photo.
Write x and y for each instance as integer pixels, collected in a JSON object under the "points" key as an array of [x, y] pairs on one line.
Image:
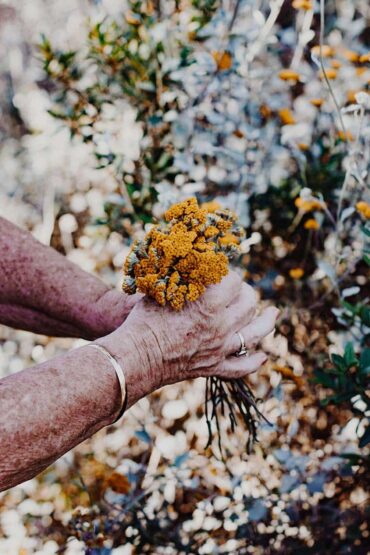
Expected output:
{"points": [[232, 282], [236, 278], [250, 293]]}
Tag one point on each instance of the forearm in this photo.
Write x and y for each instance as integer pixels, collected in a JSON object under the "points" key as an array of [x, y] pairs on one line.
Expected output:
{"points": [[31, 319], [41, 291], [48, 409]]}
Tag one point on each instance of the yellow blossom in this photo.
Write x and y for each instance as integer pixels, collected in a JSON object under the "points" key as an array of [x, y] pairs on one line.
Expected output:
{"points": [[211, 206], [330, 73], [351, 96], [223, 60], [211, 231], [303, 146], [364, 209], [176, 261], [286, 116], [327, 51], [361, 71], [296, 273], [351, 56], [318, 102], [345, 136], [289, 75], [308, 205], [302, 5], [336, 64], [364, 58], [228, 239], [311, 224]]}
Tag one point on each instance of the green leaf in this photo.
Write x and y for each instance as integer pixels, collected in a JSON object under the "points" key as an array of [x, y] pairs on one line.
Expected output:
{"points": [[367, 259], [353, 458], [365, 361], [350, 356], [365, 315], [163, 160], [366, 230], [339, 362], [324, 379], [350, 307], [365, 438]]}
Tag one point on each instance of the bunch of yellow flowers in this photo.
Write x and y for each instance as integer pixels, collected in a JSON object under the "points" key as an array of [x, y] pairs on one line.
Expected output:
{"points": [[179, 258]]}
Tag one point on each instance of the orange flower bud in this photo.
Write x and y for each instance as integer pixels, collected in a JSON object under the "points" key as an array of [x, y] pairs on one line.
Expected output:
{"points": [[363, 208], [311, 224], [318, 102], [330, 73], [302, 5], [364, 58], [351, 56], [296, 273], [286, 116], [289, 75], [327, 51], [223, 60]]}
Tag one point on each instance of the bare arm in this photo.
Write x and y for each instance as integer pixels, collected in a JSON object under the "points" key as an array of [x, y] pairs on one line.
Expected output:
{"points": [[48, 409], [43, 292]]}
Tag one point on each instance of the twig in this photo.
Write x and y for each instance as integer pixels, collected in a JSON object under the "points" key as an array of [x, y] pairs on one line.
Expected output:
{"points": [[48, 214], [306, 26], [237, 397], [269, 23], [235, 15], [321, 59]]}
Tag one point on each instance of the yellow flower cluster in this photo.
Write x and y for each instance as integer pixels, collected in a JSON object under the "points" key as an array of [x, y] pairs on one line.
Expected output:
{"points": [[312, 224], [308, 205], [302, 5], [289, 75], [296, 273], [178, 259], [364, 209], [286, 116], [223, 60]]}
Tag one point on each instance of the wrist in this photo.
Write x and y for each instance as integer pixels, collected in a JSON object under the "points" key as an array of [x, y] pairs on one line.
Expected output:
{"points": [[139, 376]]}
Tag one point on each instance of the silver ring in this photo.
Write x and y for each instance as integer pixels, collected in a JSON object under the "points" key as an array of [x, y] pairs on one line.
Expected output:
{"points": [[243, 349]]}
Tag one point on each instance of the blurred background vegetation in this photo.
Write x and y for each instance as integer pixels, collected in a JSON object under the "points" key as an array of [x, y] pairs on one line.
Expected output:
{"points": [[111, 111]]}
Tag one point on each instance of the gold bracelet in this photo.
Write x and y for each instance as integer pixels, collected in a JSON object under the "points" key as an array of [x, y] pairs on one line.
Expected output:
{"points": [[120, 375]]}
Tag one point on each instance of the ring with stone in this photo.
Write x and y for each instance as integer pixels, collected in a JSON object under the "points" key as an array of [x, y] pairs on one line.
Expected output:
{"points": [[243, 350]]}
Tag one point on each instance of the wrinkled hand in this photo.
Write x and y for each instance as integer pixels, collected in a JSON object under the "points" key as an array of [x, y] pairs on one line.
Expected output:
{"points": [[158, 346]]}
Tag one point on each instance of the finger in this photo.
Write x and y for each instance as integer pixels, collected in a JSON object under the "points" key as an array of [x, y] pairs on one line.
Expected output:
{"points": [[234, 367], [225, 292], [243, 308], [254, 332]]}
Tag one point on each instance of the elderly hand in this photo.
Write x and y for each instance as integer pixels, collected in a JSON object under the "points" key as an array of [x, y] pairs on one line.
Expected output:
{"points": [[157, 346], [49, 408]]}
